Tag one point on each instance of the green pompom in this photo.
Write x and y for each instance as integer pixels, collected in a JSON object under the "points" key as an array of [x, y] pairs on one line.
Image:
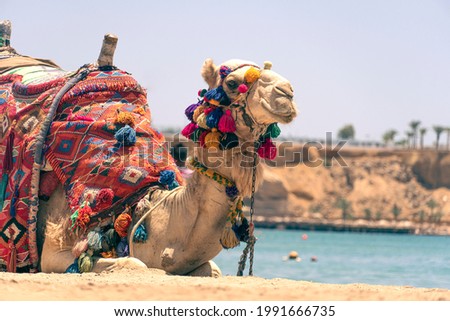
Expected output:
{"points": [[195, 136], [273, 131]]}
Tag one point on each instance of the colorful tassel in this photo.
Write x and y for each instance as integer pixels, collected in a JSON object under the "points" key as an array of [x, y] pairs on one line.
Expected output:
{"points": [[81, 217], [228, 238], [198, 112], [125, 118], [140, 235], [201, 121], [219, 95], [226, 123], [273, 131], [189, 129], [224, 71], [232, 191], [122, 223], [202, 138], [73, 268], [228, 141], [189, 112], [126, 136], [167, 178], [94, 239], [85, 263], [122, 249], [195, 137], [208, 110], [252, 75], [267, 149], [242, 230], [104, 199], [202, 92], [212, 119], [212, 140], [110, 240]]}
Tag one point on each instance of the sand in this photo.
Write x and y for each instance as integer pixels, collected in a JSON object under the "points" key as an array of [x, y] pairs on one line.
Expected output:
{"points": [[141, 285]]}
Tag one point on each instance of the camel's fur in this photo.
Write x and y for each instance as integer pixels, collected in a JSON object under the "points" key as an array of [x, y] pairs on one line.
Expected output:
{"points": [[184, 230]]}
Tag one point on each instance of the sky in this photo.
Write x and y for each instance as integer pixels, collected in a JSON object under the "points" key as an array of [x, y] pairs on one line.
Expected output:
{"points": [[377, 65]]}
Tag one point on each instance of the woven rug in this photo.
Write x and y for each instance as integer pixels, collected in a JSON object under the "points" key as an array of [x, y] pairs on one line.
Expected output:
{"points": [[101, 139]]}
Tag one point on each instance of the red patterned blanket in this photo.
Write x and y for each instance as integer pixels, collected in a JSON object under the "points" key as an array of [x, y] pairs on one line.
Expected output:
{"points": [[100, 145]]}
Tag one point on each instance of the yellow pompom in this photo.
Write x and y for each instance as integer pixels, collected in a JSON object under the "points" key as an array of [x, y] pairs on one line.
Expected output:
{"points": [[213, 139], [252, 75], [201, 121], [124, 118], [198, 112]]}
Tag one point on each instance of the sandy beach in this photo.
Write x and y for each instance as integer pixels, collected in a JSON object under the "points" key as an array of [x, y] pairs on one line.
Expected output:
{"points": [[141, 285]]}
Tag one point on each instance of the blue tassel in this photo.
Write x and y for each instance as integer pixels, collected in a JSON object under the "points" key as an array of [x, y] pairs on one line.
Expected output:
{"points": [[167, 177], [218, 94], [126, 136], [73, 268], [212, 119], [189, 112], [122, 248], [231, 191], [140, 236]]}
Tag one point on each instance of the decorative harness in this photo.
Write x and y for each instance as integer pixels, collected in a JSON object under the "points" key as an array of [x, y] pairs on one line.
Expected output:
{"points": [[213, 126]]}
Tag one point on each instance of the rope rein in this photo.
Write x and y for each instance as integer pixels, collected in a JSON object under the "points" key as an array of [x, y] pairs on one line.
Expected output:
{"points": [[252, 239]]}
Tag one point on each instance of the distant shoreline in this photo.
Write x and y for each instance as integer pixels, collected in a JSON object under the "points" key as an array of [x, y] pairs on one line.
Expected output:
{"points": [[360, 226]]}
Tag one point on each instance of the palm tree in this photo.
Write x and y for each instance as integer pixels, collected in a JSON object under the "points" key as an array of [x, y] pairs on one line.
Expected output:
{"points": [[345, 207], [414, 124], [389, 136], [422, 134], [438, 130], [410, 136]]}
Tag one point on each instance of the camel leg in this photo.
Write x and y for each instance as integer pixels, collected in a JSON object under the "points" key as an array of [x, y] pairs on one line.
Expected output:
{"points": [[115, 264], [55, 260], [207, 269]]}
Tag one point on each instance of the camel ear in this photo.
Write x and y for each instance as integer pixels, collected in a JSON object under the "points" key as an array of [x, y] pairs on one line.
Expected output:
{"points": [[210, 73]]}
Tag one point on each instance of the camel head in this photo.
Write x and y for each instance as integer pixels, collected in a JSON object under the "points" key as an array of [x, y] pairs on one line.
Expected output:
{"points": [[243, 104], [268, 96]]}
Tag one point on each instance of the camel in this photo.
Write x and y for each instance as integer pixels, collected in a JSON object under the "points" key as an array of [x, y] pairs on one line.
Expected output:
{"points": [[185, 224]]}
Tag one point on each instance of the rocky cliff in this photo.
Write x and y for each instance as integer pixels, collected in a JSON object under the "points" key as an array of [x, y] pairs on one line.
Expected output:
{"points": [[365, 186]]}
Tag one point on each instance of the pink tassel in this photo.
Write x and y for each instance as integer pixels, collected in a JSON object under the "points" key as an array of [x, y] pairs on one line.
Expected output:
{"points": [[267, 149], [226, 123], [189, 129]]}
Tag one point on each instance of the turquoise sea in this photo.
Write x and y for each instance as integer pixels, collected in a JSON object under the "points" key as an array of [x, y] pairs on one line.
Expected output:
{"points": [[347, 257]]}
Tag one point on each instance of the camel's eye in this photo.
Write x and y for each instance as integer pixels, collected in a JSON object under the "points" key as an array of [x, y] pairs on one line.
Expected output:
{"points": [[232, 84]]}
